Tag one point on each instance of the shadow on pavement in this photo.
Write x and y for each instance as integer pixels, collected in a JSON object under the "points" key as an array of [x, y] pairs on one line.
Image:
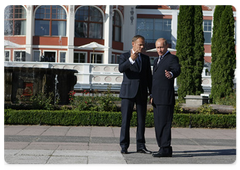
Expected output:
{"points": [[204, 153]]}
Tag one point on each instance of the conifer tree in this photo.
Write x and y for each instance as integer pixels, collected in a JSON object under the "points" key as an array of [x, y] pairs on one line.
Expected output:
{"points": [[190, 50], [198, 50], [223, 54], [184, 48], [215, 50]]}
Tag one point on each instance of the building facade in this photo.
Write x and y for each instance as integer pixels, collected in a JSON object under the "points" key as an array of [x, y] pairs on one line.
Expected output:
{"points": [[55, 33], [58, 31]]}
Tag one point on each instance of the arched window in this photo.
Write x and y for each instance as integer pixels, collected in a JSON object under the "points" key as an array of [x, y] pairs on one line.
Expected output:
{"points": [[50, 20], [117, 27], [88, 23], [15, 20]]}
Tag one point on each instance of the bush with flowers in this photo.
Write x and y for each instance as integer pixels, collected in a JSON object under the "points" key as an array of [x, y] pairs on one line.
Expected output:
{"points": [[93, 102]]}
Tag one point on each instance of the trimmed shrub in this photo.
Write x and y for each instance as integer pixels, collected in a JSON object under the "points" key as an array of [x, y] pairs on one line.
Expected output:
{"points": [[94, 118]]}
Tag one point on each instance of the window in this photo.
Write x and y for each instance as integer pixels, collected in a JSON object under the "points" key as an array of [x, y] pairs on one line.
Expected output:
{"points": [[20, 56], [88, 23], [15, 20], [145, 28], [62, 57], [113, 60], [151, 29], [36, 55], [116, 27], [207, 29], [80, 58], [50, 20], [7, 55], [96, 58], [207, 72], [49, 56], [235, 32], [117, 59]]}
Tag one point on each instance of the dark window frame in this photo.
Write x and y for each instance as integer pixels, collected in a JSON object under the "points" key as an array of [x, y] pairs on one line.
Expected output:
{"points": [[90, 19], [42, 14], [117, 24], [14, 13]]}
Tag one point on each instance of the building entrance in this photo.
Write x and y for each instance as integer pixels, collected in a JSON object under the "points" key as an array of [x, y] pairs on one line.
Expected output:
{"points": [[49, 56]]}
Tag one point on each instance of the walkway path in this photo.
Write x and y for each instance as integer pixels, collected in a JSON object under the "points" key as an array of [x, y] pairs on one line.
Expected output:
{"points": [[100, 145]]}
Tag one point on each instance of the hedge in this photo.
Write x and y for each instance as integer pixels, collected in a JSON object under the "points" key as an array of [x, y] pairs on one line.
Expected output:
{"points": [[94, 118]]}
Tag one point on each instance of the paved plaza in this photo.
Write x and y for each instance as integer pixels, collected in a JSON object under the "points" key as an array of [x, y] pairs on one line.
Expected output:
{"points": [[100, 145]]}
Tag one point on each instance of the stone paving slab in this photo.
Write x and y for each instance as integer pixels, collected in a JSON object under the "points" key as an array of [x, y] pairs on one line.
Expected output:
{"points": [[63, 157], [100, 145], [115, 140]]}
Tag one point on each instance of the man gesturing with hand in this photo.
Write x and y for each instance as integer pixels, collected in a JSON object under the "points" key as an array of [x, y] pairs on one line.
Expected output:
{"points": [[137, 81], [166, 67]]}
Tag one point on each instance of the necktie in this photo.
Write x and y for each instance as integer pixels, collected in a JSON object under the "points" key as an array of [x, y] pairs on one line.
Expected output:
{"points": [[160, 58], [138, 61]]}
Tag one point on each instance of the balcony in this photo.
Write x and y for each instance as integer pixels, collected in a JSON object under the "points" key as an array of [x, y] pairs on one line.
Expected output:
{"points": [[94, 76]]}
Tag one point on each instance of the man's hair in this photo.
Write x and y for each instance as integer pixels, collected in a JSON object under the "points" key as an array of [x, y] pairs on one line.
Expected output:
{"points": [[137, 37], [162, 39]]}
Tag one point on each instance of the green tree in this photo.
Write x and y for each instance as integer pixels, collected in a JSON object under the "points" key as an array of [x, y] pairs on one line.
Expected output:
{"points": [[190, 50], [184, 48], [215, 50], [198, 50], [223, 53], [215, 37]]}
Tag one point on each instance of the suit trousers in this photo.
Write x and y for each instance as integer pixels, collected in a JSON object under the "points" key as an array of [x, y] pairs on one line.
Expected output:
{"points": [[127, 109], [163, 115]]}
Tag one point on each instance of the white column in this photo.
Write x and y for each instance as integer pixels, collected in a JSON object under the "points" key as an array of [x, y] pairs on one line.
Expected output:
{"points": [[108, 34], [129, 26], [70, 34], [29, 32], [174, 28]]}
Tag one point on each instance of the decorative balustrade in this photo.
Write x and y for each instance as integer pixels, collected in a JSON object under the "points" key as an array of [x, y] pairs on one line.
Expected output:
{"points": [[92, 76], [89, 76]]}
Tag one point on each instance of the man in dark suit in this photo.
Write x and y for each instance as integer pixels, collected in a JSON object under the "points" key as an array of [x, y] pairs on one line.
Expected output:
{"points": [[165, 69], [137, 78]]}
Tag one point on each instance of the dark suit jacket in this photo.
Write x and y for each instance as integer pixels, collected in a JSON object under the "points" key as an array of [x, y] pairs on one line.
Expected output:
{"points": [[162, 87], [133, 79]]}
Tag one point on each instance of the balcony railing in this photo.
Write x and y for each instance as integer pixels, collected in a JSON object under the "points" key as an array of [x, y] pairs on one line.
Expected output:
{"points": [[93, 76]]}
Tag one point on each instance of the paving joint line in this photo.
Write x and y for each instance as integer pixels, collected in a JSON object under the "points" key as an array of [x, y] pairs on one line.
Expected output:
{"points": [[22, 130], [67, 131], [44, 130]]}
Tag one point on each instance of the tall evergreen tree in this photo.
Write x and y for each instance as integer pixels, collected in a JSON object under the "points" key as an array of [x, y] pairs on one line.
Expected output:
{"points": [[223, 54], [198, 50], [190, 50], [215, 50], [185, 33]]}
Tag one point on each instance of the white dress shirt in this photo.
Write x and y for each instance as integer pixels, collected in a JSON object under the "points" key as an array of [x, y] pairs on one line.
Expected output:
{"points": [[131, 60]]}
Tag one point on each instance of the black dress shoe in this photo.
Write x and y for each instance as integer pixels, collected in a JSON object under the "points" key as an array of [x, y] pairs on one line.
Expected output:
{"points": [[158, 154], [124, 151], [144, 151]]}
